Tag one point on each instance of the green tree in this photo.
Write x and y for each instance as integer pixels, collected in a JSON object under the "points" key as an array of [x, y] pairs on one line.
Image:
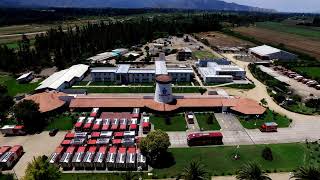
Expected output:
{"points": [[40, 169], [251, 171], [6, 176], [267, 154], [307, 173], [210, 119], [194, 171], [202, 90], [155, 145], [6, 101], [27, 112], [129, 175]]}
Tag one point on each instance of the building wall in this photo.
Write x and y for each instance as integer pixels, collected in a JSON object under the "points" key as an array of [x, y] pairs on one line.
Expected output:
{"points": [[217, 79]]}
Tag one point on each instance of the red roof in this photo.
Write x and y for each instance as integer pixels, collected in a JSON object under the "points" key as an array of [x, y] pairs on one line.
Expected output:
{"points": [[118, 134], [4, 149], [66, 142], [71, 149], [47, 101], [132, 150], [212, 134], [19, 127], [133, 126], [69, 136], [92, 142], [122, 150], [116, 141], [113, 150], [135, 115], [96, 127], [103, 149], [146, 124], [93, 149], [59, 149], [87, 125], [78, 124], [82, 149], [95, 134], [105, 127]]}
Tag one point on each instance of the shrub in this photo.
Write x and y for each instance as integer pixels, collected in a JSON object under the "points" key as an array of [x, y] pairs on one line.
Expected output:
{"points": [[210, 119], [267, 154]]}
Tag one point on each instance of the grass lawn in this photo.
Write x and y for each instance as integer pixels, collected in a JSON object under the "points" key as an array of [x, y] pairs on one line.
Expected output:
{"points": [[177, 123], [14, 87], [219, 161], [302, 109], [313, 72], [62, 122], [304, 31], [269, 116], [203, 55], [202, 121]]}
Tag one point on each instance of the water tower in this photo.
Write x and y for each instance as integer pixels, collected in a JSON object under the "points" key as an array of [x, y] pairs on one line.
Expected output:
{"points": [[163, 93]]}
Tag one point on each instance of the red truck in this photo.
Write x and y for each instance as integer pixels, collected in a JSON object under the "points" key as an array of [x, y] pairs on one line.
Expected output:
{"points": [[199, 139], [9, 158], [56, 156], [269, 127]]}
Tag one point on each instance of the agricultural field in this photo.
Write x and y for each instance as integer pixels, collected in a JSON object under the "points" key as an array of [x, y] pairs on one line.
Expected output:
{"points": [[14, 87], [220, 39], [304, 44]]}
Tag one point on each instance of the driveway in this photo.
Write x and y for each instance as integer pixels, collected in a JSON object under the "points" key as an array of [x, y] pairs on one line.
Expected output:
{"points": [[33, 145]]}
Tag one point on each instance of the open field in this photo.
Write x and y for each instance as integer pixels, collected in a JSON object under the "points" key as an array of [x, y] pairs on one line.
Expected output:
{"points": [[203, 55], [313, 72], [291, 41], [14, 87], [220, 39], [305, 31], [175, 123], [219, 161], [202, 121], [269, 116]]}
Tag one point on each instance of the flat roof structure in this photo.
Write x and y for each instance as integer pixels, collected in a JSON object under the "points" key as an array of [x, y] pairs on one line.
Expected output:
{"points": [[24, 76], [161, 67], [59, 78], [264, 50], [123, 68], [242, 105]]}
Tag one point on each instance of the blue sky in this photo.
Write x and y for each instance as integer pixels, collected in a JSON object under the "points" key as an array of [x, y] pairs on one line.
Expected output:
{"points": [[284, 5]]}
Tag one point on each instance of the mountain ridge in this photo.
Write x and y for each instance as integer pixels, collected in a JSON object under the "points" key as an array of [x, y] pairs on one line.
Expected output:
{"points": [[177, 4]]}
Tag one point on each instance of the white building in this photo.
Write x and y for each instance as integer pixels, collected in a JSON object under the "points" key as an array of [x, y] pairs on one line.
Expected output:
{"points": [[64, 78], [124, 74], [24, 78], [266, 52], [99, 58], [215, 73]]}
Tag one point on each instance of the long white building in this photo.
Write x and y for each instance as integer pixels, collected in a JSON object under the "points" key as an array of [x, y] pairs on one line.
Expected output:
{"points": [[124, 74], [266, 52], [64, 78], [215, 73]]}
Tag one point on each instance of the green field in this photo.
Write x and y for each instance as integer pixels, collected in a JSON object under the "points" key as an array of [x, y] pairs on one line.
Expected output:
{"points": [[203, 55], [302, 109], [61, 122], [269, 116], [14, 87], [177, 122], [241, 86], [128, 89], [312, 72], [219, 161], [202, 121], [291, 29]]}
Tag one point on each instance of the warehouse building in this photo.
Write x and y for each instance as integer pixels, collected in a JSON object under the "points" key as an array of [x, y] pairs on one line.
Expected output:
{"points": [[64, 78], [124, 74], [266, 52], [215, 73]]}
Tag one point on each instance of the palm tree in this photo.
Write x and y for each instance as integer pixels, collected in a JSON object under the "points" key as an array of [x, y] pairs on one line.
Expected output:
{"points": [[194, 171], [129, 176], [307, 173], [251, 171]]}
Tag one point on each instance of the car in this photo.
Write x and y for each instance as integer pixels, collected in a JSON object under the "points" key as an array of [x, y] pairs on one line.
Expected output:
{"points": [[53, 132]]}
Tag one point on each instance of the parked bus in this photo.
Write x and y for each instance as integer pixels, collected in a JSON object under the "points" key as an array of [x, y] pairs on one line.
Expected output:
{"points": [[89, 157], [99, 160], [123, 124], [106, 124], [66, 159], [79, 123], [78, 156], [121, 158], [111, 158], [199, 139], [131, 159], [97, 125]]}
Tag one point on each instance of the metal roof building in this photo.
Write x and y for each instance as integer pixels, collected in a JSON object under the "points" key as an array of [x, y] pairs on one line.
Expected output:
{"points": [[266, 52], [64, 78]]}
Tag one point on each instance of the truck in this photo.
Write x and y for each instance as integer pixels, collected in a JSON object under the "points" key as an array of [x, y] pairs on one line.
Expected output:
{"points": [[95, 135], [9, 158], [146, 127], [79, 123], [115, 124], [99, 159], [111, 158], [78, 141], [128, 142], [66, 142], [89, 157], [131, 159], [118, 135], [56, 156], [269, 127], [103, 141], [78, 156], [106, 124], [141, 161], [94, 113], [97, 125], [13, 130], [87, 126], [4, 149], [106, 134], [121, 158], [123, 124], [136, 113], [190, 117], [66, 158], [199, 139], [69, 136]]}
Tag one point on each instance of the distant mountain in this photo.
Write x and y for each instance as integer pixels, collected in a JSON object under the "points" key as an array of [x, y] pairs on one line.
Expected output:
{"points": [[180, 4]]}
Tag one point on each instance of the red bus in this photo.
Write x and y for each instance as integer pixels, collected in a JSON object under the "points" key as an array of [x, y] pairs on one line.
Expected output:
{"points": [[200, 139]]}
